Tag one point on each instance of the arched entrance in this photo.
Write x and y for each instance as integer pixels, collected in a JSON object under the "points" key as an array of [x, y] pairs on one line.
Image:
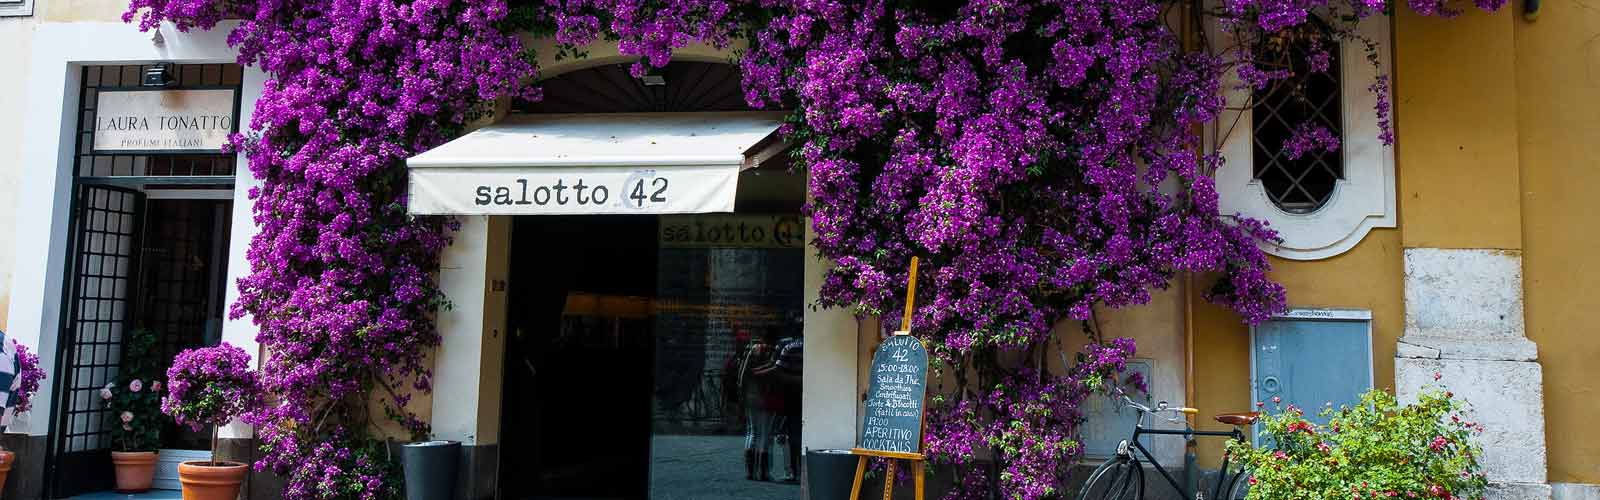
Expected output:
{"points": [[629, 368]]}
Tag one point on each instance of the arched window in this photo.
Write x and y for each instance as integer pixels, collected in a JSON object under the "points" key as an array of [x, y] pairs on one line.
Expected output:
{"points": [[1298, 182], [1323, 202]]}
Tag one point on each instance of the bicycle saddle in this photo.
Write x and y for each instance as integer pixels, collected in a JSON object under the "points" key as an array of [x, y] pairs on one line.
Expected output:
{"points": [[1238, 418]]}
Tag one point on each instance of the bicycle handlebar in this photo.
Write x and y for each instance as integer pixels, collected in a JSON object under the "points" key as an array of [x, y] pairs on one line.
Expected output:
{"points": [[1161, 407]]}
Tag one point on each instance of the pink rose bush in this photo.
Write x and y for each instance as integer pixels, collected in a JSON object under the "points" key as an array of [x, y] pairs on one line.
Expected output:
{"points": [[1377, 448], [137, 424]]}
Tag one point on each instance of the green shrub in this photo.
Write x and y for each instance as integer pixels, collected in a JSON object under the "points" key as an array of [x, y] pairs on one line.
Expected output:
{"points": [[1376, 449]]}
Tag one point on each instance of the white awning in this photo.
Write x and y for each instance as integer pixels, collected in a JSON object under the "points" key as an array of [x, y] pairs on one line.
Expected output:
{"points": [[621, 163]]}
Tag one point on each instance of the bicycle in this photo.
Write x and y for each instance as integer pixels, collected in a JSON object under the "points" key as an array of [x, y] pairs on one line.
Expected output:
{"points": [[1122, 476]]}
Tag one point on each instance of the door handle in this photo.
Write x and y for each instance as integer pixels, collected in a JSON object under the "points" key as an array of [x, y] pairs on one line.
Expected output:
{"points": [[1271, 384]]}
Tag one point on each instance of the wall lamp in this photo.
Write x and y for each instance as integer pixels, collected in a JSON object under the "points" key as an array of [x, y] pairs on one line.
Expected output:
{"points": [[159, 75]]}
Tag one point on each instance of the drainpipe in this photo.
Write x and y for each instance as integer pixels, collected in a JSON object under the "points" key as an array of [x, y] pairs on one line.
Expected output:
{"points": [[1191, 470]]}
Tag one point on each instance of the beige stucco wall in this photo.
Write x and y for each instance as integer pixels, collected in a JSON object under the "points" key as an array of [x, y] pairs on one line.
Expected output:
{"points": [[16, 33], [66, 11]]}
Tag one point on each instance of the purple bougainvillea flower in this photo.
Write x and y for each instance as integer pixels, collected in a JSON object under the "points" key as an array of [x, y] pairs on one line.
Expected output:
{"points": [[1039, 156]]}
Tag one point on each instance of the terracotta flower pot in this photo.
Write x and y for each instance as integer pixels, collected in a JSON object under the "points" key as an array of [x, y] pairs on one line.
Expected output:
{"points": [[207, 480], [6, 458], [135, 470]]}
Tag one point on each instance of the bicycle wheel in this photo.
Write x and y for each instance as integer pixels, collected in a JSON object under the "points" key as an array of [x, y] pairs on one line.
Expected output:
{"points": [[1240, 486], [1120, 478]]}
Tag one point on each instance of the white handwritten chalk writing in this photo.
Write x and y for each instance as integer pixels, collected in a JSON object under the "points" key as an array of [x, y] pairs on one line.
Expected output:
{"points": [[894, 405]]}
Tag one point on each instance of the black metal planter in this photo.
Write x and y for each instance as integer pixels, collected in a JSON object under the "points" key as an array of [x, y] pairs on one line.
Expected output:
{"points": [[430, 469], [829, 474]]}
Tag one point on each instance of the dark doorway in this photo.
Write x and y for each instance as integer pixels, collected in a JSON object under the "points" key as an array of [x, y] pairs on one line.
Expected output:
{"points": [[576, 421], [182, 284]]}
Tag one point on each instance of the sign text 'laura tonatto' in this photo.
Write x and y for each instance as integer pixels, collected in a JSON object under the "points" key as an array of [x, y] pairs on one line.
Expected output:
{"points": [[163, 120]]}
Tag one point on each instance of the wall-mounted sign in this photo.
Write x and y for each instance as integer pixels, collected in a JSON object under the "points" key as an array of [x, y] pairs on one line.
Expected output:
{"points": [[732, 231], [678, 189], [163, 120]]}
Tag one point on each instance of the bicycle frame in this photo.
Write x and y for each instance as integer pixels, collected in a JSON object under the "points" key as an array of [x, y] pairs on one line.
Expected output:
{"points": [[1188, 433]]}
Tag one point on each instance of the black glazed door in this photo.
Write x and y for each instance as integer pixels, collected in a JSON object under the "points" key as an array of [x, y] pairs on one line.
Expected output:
{"points": [[103, 249]]}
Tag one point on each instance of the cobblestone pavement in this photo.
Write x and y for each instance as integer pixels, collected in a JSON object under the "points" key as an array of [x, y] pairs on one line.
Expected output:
{"points": [[712, 468]]}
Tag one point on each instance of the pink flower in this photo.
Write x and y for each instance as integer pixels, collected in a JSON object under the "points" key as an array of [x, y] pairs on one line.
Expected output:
{"points": [[1438, 443], [1276, 400], [155, 386], [1437, 376], [1280, 455], [127, 416], [1323, 447], [136, 385], [105, 393]]}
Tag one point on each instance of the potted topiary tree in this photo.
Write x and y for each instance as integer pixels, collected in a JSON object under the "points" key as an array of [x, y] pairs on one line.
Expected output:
{"points": [[134, 401], [20, 375], [211, 386]]}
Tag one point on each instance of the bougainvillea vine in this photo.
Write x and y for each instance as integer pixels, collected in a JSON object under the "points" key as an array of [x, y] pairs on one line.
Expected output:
{"points": [[1042, 157]]}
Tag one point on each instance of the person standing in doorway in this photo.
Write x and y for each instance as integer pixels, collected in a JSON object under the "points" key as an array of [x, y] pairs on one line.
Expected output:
{"points": [[753, 390], [786, 376]]}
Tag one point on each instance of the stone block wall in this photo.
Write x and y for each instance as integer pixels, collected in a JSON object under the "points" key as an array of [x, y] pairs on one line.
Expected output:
{"points": [[1464, 324]]}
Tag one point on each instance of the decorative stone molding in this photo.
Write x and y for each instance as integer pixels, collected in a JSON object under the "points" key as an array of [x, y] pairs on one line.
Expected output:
{"points": [[1362, 201], [1464, 323]]}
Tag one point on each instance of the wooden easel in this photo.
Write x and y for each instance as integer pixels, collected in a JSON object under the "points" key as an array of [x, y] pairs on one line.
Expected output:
{"points": [[918, 460]]}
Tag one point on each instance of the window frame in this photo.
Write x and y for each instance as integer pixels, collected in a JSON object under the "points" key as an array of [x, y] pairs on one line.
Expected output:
{"points": [[16, 8], [1363, 200]]}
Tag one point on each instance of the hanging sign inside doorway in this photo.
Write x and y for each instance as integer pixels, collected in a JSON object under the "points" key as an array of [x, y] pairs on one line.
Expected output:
{"points": [[732, 231], [164, 121], [893, 421]]}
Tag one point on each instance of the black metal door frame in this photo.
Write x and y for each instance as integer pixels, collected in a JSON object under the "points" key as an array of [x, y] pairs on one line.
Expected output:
{"points": [[88, 353], [78, 452]]}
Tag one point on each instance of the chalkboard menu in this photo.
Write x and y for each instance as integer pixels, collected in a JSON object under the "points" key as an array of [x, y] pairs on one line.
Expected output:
{"points": [[893, 420]]}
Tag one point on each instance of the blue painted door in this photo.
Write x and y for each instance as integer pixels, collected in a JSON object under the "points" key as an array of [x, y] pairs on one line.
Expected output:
{"points": [[1312, 362]]}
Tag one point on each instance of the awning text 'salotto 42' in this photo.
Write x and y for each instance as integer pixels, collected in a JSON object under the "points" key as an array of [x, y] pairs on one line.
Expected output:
{"points": [[623, 163]]}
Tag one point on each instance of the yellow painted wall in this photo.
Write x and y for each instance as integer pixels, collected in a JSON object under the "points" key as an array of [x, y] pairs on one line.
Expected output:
{"points": [[1558, 121], [1366, 277], [1499, 147], [1456, 155]]}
